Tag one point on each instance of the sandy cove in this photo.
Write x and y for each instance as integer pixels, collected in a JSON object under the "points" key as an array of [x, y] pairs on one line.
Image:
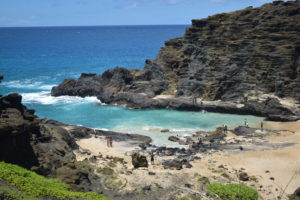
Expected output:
{"points": [[271, 171]]}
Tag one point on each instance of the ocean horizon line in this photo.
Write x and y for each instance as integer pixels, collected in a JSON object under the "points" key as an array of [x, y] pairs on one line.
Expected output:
{"points": [[75, 26]]}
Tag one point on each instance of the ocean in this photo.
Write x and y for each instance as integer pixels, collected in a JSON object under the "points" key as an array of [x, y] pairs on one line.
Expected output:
{"points": [[33, 60]]}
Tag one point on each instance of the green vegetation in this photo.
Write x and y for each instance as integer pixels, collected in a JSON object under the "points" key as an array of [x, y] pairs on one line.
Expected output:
{"points": [[253, 178], [106, 171], [204, 180], [217, 171], [35, 185], [10, 194], [232, 191], [114, 182], [191, 197], [293, 197], [112, 164]]}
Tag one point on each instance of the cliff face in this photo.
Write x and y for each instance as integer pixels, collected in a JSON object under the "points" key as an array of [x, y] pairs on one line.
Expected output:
{"points": [[38, 144], [232, 55], [249, 57]]}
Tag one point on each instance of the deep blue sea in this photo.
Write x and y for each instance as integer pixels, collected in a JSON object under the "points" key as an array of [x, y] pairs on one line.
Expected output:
{"points": [[33, 60]]}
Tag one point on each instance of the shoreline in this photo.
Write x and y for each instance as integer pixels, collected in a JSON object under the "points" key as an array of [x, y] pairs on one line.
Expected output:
{"points": [[260, 164]]}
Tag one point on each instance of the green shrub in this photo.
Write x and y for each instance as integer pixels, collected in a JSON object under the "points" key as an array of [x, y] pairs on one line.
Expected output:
{"points": [[114, 182], [38, 186], [106, 171], [293, 197], [191, 197], [232, 191], [10, 194]]}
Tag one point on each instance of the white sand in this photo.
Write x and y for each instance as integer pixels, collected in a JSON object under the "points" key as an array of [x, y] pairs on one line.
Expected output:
{"points": [[283, 163]]}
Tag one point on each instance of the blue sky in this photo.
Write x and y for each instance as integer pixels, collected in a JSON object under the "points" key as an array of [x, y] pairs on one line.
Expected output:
{"points": [[113, 12]]}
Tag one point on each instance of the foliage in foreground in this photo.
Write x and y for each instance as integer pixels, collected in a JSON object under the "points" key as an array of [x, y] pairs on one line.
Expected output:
{"points": [[232, 191], [10, 194], [293, 197], [38, 186]]}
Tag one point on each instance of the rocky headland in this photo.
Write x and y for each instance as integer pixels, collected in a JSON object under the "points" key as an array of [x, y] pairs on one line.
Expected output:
{"points": [[47, 146], [246, 62]]}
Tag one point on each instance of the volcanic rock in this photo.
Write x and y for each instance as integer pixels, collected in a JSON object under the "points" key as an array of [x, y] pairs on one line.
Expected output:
{"points": [[139, 160]]}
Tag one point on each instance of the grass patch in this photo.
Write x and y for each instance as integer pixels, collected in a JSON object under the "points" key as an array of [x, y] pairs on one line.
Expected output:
{"points": [[204, 180], [232, 191], [217, 171], [293, 197], [35, 185], [112, 164], [253, 178], [113, 182], [225, 175], [191, 197], [106, 171], [10, 194]]}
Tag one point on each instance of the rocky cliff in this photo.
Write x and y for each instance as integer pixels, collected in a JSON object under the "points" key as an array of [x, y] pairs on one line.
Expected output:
{"points": [[47, 146], [250, 57], [233, 55]]}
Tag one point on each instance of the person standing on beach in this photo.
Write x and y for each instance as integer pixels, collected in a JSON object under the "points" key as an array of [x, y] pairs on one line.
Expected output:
{"points": [[245, 121], [225, 129], [262, 126], [152, 159], [110, 141]]}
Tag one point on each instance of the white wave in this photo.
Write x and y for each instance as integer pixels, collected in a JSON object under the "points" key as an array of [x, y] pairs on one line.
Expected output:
{"points": [[28, 84], [46, 98], [152, 128], [183, 130]]}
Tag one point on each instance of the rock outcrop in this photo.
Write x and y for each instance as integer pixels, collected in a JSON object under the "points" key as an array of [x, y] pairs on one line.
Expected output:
{"points": [[31, 142], [139, 160], [238, 57]]}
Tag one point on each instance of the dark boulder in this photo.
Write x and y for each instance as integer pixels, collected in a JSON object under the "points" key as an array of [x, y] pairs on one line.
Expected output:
{"points": [[243, 176], [176, 164], [139, 160], [297, 192], [173, 139], [244, 131]]}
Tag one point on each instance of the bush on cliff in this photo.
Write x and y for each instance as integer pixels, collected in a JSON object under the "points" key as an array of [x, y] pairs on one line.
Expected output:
{"points": [[11, 194], [232, 191], [35, 185]]}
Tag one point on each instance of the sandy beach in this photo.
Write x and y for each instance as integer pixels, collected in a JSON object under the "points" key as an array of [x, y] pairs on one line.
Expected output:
{"points": [[275, 172]]}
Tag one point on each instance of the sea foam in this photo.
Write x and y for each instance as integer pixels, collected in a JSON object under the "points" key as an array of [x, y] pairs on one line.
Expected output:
{"points": [[46, 98], [28, 84]]}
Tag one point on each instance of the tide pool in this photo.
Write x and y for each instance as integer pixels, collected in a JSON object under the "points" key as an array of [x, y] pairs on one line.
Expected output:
{"points": [[90, 112]]}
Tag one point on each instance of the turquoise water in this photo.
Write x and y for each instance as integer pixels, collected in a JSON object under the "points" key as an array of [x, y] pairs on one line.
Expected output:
{"points": [[90, 112], [35, 59]]}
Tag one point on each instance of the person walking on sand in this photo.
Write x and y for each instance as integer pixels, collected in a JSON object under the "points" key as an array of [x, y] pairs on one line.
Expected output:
{"points": [[100, 155], [262, 126], [225, 129], [111, 141], [152, 159]]}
